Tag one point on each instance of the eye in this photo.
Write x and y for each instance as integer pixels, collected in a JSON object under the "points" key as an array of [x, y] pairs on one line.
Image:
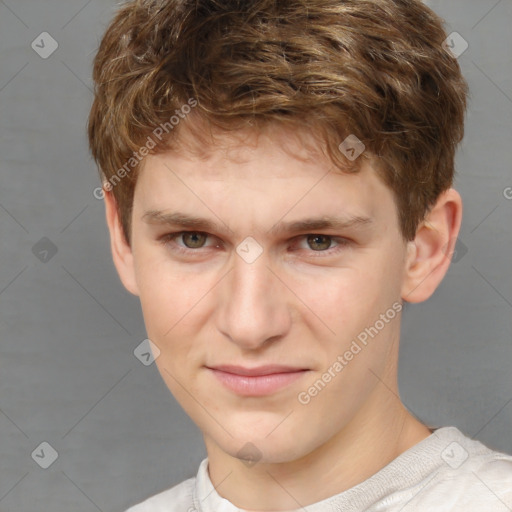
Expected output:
{"points": [[191, 241], [322, 244], [196, 242]]}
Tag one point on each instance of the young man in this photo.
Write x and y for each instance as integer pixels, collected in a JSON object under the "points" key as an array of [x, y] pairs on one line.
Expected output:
{"points": [[277, 180]]}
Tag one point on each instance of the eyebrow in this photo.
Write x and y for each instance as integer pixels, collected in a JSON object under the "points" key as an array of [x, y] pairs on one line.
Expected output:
{"points": [[191, 222]]}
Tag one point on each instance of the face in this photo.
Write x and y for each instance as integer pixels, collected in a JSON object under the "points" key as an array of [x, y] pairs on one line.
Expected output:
{"points": [[265, 254]]}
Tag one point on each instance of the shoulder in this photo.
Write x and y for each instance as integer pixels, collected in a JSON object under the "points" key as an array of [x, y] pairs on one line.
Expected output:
{"points": [[179, 498], [472, 477]]}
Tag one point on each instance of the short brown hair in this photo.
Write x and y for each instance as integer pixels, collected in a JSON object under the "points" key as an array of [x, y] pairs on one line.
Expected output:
{"points": [[377, 69]]}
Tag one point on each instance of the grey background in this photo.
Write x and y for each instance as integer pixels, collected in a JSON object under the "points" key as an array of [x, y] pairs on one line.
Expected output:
{"points": [[68, 375]]}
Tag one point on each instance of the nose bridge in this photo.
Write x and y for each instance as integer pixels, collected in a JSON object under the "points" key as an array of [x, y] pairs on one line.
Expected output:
{"points": [[253, 308]]}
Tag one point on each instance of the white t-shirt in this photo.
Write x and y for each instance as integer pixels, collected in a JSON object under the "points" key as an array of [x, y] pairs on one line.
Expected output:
{"points": [[447, 471]]}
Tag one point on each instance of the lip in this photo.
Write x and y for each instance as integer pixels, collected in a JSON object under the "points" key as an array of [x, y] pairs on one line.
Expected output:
{"points": [[258, 381], [257, 371]]}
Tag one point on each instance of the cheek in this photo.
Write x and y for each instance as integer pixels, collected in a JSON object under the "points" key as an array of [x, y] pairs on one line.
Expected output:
{"points": [[341, 299], [173, 315], [169, 296], [346, 304]]}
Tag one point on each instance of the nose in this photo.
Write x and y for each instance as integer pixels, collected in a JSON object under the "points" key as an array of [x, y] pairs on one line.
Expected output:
{"points": [[253, 306]]}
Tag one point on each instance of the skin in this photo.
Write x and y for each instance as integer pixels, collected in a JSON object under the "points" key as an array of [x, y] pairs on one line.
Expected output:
{"points": [[301, 302]]}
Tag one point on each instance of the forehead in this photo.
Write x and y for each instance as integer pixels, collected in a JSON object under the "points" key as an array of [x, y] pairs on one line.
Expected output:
{"points": [[198, 142], [293, 147], [256, 178]]}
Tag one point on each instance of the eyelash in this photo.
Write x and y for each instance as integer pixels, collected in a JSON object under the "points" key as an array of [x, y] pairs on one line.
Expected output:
{"points": [[167, 239]]}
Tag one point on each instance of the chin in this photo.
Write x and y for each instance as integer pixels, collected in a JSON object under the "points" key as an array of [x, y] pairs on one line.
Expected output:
{"points": [[262, 449]]}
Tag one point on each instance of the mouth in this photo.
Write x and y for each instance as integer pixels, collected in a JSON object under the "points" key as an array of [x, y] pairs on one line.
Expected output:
{"points": [[258, 381]]}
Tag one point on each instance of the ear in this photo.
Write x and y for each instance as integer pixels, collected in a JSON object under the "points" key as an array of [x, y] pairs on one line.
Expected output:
{"points": [[121, 251], [429, 254]]}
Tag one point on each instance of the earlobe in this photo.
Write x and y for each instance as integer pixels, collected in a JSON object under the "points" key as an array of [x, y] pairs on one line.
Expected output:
{"points": [[122, 254], [429, 254]]}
